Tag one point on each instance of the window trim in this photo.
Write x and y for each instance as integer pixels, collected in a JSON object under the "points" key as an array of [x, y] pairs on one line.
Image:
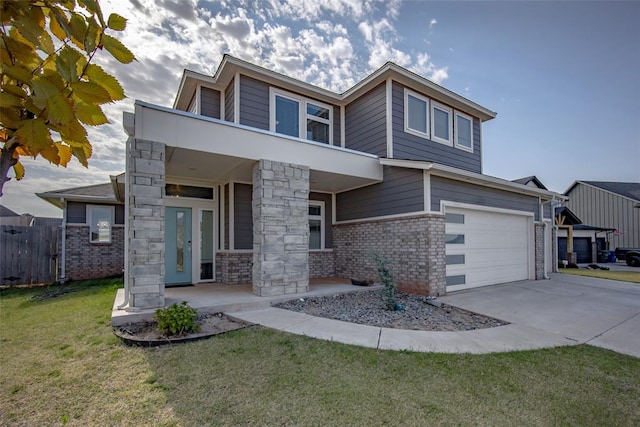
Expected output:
{"points": [[303, 116], [112, 220], [457, 133], [426, 100], [436, 105], [320, 217]]}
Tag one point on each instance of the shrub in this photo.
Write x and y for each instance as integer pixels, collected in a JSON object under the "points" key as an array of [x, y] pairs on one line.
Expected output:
{"points": [[386, 278], [177, 319]]}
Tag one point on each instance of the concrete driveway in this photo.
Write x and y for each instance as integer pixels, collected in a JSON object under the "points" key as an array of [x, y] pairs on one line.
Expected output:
{"points": [[603, 313]]}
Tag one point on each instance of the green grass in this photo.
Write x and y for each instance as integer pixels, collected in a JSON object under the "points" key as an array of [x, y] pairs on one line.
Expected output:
{"points": [[61, 364], [625, 276]]}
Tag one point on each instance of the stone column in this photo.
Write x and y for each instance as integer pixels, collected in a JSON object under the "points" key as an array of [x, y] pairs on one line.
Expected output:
{"points": [[280, 228], [145, 193], [539, 251]]}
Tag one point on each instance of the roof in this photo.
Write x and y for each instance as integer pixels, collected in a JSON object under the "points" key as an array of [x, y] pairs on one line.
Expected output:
{"points": [[630, 190], [569, 218], [527, 180], [5, 211], [230, 65], [109, 192]]}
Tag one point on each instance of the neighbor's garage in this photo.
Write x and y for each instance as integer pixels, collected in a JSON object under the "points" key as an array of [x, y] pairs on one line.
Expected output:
{"points": [[485, 247]]}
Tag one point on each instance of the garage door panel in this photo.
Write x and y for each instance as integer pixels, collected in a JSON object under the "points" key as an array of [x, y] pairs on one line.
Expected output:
{"points": [[495, 248]]}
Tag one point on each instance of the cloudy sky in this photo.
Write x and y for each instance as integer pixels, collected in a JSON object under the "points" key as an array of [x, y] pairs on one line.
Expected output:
{"points": [[562, 76]]}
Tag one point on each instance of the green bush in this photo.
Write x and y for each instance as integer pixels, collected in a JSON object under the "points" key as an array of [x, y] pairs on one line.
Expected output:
{"points": [[386, 278], [177, 319]]}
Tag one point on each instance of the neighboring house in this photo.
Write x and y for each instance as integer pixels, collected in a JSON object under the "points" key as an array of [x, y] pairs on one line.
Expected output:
{"points": [[531, 181], [92, 245], [9, 217], [613, 205], [257, 177], [586, 240]]}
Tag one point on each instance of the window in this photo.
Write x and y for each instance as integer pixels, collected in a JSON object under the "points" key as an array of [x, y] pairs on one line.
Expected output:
{"points": [[316, 225], [100, 220], [464, 131], [442, 120], [454, 239], [178, 190], [300, 117], [416, 114], [453, 218]]}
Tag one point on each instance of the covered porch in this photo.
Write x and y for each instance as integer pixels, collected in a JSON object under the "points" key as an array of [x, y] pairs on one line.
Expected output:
{"points": [[224, 298]]}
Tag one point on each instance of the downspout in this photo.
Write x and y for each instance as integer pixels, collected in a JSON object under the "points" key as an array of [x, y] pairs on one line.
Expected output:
{"points": [[63, 243], [544, 235], [126, 225]]}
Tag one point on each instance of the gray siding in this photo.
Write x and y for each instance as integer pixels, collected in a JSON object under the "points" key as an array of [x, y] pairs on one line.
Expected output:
{"points": [[462, 192], [209, 102], [243, 216], [328, 209], [601, 208], [77, 212], [411, 147], [402, 191], [337, 140], [229, 102], [365, 123], [254, 103], [226, 217]]}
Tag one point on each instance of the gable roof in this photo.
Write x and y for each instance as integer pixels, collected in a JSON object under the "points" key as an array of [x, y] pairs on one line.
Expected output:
{"points": [[230, 65], [109, 192], [630, 190], [530, 179]]}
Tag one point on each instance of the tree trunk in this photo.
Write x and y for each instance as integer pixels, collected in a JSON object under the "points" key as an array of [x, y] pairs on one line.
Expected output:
{"points": [[6, 162]]}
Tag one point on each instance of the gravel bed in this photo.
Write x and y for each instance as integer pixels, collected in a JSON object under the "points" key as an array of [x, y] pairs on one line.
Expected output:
{"points": [[367, 308]]}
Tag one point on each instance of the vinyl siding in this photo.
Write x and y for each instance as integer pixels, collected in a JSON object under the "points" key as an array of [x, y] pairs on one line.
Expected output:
{"points": [[601, 208], [365, 123], [229, 102], [243, 216], [254, 103], [328, 209], [407, 146], [77, 212], [337, 140], [209, 102], [402, 191], [226, 217], [462, 192]]}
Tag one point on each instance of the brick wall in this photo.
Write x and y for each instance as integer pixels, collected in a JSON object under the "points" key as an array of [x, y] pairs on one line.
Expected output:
{"points": [[234, 267], [86, 260], [321, 264], [413, 245]]}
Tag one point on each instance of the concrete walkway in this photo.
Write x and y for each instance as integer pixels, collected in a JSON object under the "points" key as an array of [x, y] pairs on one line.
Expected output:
{"points": [[566, 310]]}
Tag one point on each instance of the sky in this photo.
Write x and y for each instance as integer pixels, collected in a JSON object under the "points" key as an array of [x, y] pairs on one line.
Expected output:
{"points": [[564, 77]]}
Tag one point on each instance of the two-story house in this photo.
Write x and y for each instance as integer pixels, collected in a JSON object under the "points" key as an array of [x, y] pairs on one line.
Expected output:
{"points": [[257, 177]]}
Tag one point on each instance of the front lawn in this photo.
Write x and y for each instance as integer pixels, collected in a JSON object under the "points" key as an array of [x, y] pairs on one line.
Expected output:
{"points": [[61, 364], [625, 276]]}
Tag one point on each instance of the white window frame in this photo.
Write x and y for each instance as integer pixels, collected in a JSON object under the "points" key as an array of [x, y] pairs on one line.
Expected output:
{"points": [[457, 133], [321, 218], [426, 100], [112, 218], [302, 113], [437, 106]]}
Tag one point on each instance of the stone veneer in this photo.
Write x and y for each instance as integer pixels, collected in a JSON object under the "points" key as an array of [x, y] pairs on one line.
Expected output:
{"points": [[85, 260], [322, 264], [539, 249], [280, 228], [234, 268], [145, 192], [414, 246]]}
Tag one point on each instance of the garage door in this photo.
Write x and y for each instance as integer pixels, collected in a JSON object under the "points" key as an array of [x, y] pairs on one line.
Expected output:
{"points": [[486, 248]]}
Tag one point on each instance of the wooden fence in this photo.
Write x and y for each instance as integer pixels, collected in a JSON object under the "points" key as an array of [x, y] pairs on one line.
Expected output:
{"points": [[28, 255]]}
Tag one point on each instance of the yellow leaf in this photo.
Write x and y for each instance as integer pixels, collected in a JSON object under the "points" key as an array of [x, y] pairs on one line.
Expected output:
{"points": [[90, 93], [18, 170], [97, 75], [9, 100], [92, 39], [60, 109], [90, 114], [14, 90], [34, 34], [116, 22], [64, 152], [78, 28], [117, 49], [51, 153], [80, 153], [33, 134], [19, 74], [66, 62], [58, 25], [73, 133]]}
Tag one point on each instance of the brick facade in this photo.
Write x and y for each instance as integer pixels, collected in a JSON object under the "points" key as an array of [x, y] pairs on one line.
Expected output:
{"points": [[414, 246], [234, 267], [280, 228], [86, 260], [145, 192], [322, 264]]}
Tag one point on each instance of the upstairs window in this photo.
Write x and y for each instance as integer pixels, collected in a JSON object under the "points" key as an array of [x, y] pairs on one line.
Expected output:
{"points": [[416, 118], [300, 117], [464, 131], [100, 219], [441, 117]]}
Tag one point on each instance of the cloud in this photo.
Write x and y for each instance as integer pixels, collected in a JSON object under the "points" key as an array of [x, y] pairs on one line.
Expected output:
{"points": [[432, 23]]}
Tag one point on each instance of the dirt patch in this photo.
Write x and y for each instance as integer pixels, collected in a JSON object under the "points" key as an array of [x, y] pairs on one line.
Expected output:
{"points": [[146, 334]]}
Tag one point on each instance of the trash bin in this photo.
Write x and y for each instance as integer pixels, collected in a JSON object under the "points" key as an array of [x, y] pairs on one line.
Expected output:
{"points": [[612, 256], [603, 256]]}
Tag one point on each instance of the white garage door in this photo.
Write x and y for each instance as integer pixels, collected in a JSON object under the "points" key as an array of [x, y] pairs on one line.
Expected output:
{"points": [[486, 247]]}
